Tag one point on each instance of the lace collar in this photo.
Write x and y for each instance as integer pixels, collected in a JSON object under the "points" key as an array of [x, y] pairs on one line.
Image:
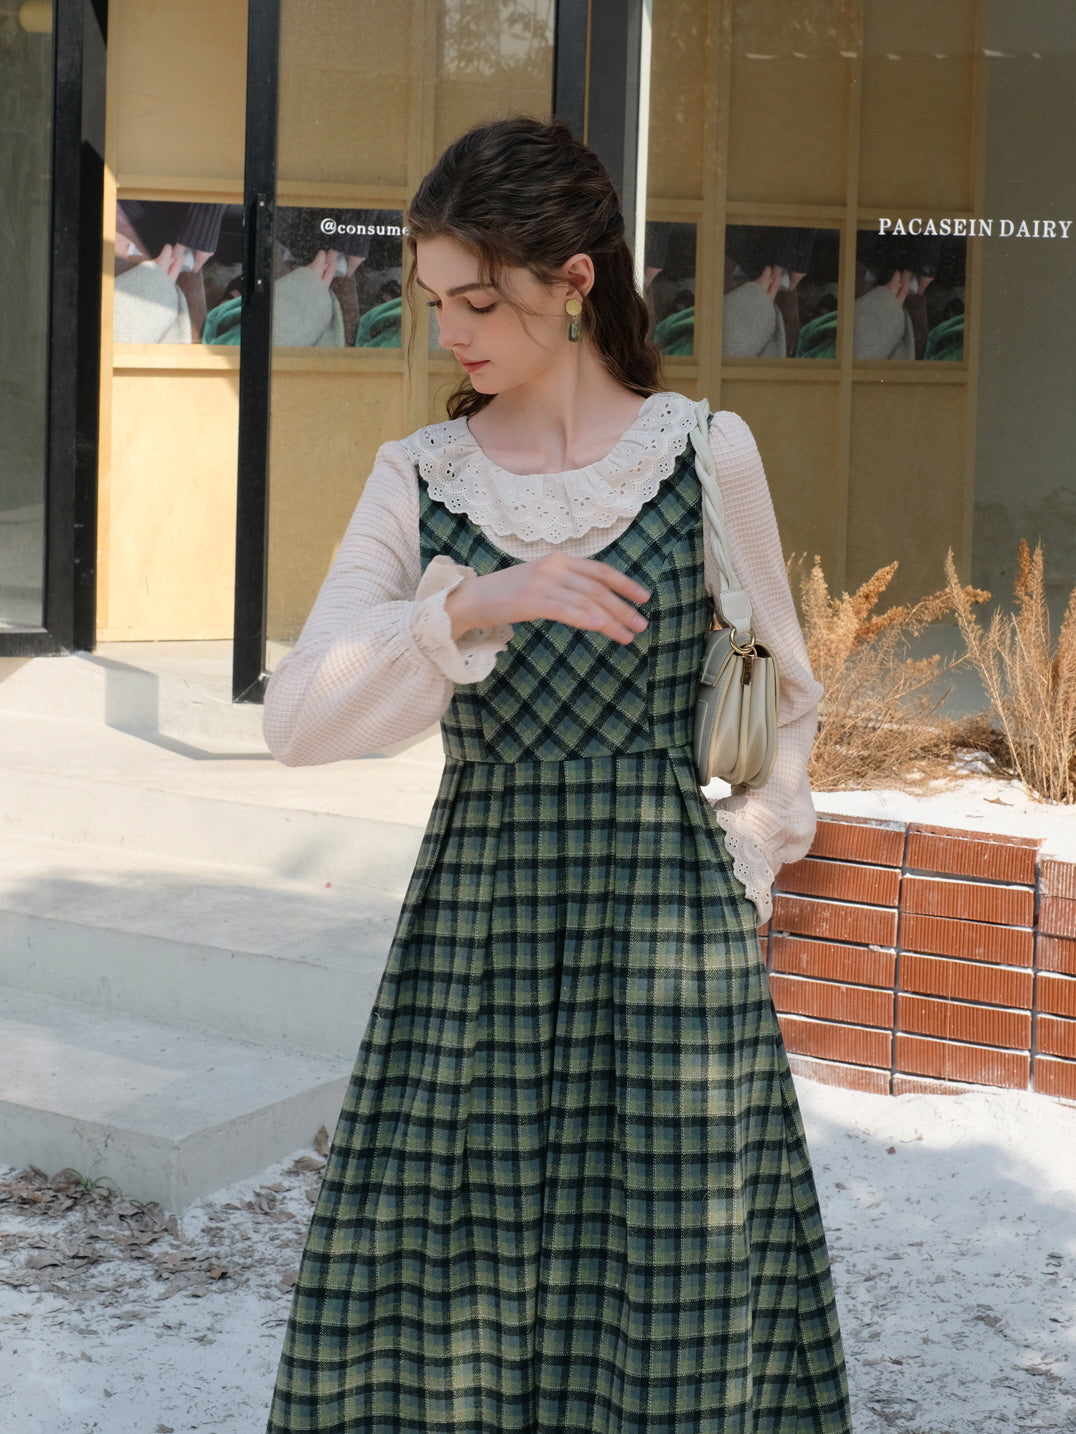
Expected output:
{"points": [[554, 506]]}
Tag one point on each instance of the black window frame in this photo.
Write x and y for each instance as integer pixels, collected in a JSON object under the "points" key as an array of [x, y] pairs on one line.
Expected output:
{"points": [[80, 32]]}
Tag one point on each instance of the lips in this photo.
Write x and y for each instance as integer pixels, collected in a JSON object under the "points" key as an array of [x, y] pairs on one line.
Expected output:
{"points": [[473, 367]]}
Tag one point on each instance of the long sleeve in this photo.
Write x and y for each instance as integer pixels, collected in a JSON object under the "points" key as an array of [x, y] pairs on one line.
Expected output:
{"points": [[375, 662], [774, 822]]}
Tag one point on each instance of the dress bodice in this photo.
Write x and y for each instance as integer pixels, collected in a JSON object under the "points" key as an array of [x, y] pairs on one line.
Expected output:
{"points": [[559, 693]]}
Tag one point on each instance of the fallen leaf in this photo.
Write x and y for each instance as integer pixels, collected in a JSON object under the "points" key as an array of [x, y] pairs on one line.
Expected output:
{"points": [[321, 1141]]}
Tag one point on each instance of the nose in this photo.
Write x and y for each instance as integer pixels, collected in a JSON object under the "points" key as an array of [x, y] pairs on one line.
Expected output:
{"points": [[451, 328]]}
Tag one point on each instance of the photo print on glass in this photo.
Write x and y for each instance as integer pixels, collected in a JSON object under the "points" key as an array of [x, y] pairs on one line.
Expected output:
{"points": [[780, 292], [910, 296], [669, 280], [178, 269], [338, 278]]}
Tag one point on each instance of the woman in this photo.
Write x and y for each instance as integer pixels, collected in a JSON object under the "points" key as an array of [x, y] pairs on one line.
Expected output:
{"points": [[569, 1188]]}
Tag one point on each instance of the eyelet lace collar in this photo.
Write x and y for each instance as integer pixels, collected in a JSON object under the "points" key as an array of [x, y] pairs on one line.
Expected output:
{"points": [[554, 506]]}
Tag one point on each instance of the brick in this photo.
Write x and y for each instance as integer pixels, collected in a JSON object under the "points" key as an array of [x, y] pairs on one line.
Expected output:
{"points": [[966, 854], [852, 839], [969, 940], [976, 1065], [955, 1021], [825, 1039], [1058, 878], [1057, 916], [828, 961], [1057, 1078], [966, 981], [806, 916], [970, 901], [920, 1085], [841, 881], [1056, 994], [1055, 1036], [875, 1082], [1054, 953], [831, 1001]]}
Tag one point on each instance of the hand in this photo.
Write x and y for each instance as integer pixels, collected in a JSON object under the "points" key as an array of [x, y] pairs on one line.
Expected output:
{"points": [[323, 265], [581, 592], [769, 281], [899, 283], [170, 259]]}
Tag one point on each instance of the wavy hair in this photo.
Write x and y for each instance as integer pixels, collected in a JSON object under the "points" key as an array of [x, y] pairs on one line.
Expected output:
{"points": [[525, 194]]}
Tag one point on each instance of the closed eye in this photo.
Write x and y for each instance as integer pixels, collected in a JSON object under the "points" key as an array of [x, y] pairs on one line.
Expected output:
{"points": [[474, 308]]}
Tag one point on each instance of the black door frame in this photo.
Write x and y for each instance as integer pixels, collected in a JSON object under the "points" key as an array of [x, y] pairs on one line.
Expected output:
{"points": [[596, 89], [80, 29]]}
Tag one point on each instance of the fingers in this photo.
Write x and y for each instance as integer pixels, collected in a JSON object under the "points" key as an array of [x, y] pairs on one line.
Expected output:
{"points": [[581, 592], [590, 595]]}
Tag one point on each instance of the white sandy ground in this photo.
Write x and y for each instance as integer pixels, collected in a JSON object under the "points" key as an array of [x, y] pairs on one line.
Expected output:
{"points": [[952, 1227]]}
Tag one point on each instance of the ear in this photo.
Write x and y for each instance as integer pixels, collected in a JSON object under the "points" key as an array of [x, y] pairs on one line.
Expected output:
{"points": [[578, 273]]}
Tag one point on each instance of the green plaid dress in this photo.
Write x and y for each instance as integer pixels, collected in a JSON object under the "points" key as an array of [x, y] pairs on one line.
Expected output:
{"points": [[569, 1189]]}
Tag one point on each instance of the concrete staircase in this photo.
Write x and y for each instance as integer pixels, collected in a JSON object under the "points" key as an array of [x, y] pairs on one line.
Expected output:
{"points": [[191, 936]]}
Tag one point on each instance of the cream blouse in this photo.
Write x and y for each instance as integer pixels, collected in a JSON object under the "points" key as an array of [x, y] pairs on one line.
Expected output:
{"points": [[376, 663]]}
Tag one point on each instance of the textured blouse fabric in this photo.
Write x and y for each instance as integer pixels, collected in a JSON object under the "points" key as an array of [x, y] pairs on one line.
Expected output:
{"points": [[376, 663]]}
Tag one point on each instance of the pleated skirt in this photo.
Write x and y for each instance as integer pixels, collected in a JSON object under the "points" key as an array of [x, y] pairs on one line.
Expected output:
{"points": [[569, 1189]]}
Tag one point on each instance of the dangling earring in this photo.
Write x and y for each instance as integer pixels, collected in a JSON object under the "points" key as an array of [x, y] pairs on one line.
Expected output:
{"points": [[573, 308]]}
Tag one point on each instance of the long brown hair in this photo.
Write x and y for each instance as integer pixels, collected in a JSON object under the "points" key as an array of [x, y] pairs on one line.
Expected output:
{"points": [[524, 194]]}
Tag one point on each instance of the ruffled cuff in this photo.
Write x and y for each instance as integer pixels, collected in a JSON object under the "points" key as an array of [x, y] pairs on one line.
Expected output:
{"points": [[750, 864], [474, 655]]}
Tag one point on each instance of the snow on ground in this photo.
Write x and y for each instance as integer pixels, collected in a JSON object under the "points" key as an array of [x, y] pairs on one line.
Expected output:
{"points": [[974, 802], [951, 1219], [952, 1224]]}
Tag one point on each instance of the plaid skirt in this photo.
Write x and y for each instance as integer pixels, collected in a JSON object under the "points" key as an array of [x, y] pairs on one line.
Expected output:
{"points": [[569, 1189]]}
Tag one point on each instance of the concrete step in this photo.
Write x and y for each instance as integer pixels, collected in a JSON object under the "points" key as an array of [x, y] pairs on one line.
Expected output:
{"points": [[73, 782], [177, 689], [167, 1114], [215, 949], [191, 935]]}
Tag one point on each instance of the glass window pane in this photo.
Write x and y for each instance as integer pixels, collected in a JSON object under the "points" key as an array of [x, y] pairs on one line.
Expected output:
{"points": [[25, 182]]}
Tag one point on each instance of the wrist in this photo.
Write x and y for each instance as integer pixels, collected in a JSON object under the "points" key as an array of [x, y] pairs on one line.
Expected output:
{"points": [[459, 608]]}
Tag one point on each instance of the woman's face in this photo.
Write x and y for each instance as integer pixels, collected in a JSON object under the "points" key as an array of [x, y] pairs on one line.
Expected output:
{"points": [[499, 346]]}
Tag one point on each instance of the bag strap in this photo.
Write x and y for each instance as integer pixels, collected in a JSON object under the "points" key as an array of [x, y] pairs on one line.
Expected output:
{"points": [[731, 603]]}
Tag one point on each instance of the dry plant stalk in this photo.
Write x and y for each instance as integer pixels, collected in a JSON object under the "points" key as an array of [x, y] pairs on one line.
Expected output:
{"points": [[1030, 684], [879, 715]]}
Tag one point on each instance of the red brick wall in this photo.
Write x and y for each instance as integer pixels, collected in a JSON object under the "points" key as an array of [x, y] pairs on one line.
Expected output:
{"points": [[909, 957]]}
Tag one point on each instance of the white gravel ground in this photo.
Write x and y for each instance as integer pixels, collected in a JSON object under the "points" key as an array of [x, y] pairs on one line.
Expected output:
{"points": [[952, 1224]]}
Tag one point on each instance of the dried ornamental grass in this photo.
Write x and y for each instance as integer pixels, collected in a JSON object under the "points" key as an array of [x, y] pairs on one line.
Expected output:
{"points": [[1031, 683], [879, 717]]}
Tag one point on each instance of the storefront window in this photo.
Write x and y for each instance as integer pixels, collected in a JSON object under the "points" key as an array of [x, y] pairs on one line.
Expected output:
{"points": [[25, 165], [878, 188]]}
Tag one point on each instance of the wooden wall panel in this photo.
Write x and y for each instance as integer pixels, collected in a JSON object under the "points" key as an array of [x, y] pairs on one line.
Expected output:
{"points": [[788, 139], [177, 88], [169, 510], [681, 53], [797, 427], [906, 483], [347, 92], [327, 427]]}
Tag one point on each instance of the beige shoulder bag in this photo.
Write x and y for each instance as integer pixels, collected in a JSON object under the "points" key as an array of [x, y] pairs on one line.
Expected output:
{"points": [[736, 703]]}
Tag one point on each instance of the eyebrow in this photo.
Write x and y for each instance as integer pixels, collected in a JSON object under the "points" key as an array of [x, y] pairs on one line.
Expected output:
{"points": [[459, 289]]}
